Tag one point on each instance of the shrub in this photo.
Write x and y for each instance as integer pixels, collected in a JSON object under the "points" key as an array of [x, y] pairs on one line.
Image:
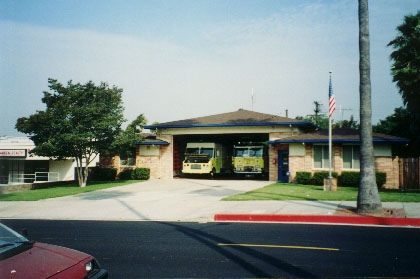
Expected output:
{"points": [[126, 174], [318, 178], [102, 174], [303, 177], [136, 174], [349, 179], [380, 178], [352, 178], [141, 173]]}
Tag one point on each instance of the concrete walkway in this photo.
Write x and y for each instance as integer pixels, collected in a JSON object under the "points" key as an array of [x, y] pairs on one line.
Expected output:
{"points": [[173, 200]]}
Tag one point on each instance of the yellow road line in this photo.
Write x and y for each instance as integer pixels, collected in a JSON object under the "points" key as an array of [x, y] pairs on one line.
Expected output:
{"points": [[280, 246]]}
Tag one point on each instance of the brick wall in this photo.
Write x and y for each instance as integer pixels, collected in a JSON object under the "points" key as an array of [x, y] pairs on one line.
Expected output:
{"points": [[295, 164], [166, 158], [308, 158], [337, 158], [305, 163], [272, 163], [388, 165], [151, 162], [154, 163], [384, 164]]}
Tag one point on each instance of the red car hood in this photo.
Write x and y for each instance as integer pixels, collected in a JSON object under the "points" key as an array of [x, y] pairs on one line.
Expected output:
{"points": [[41, 261]]}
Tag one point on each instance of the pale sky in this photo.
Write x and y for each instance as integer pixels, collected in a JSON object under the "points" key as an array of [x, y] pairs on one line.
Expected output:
{"points": [[183, 59]]}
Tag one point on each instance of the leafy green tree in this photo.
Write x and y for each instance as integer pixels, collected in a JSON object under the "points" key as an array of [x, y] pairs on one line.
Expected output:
{"points": [[398, 124], [395, 124], [406, 61], [347, 124], [322, 121], [406, 68], [319, 120], [124, 141], [80, 121], [368, 200]]}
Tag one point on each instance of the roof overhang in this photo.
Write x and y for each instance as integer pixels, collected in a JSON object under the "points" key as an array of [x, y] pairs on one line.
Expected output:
{"points": [[336, 141], [230, 125], [152, 143]]}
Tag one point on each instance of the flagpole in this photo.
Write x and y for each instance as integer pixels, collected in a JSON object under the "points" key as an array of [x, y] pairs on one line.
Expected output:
{"points": [[330, 137], [330, 153]]}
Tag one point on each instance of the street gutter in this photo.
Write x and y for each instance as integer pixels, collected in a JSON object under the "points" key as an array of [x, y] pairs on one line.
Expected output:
{"points": [[325, 219]]}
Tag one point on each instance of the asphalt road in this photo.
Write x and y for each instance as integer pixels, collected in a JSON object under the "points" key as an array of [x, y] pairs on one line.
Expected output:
{"points": [[221, 250]]}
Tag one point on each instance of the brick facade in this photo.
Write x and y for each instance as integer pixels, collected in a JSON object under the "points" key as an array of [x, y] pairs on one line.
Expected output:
{"points": [[386, 164], [166, 158], [300, 163], [390, 166], [162, 165], [158, 165]]}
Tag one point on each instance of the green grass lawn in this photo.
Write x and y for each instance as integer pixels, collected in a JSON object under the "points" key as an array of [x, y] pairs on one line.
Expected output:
{"points": [[280, 191], [60, 191]]}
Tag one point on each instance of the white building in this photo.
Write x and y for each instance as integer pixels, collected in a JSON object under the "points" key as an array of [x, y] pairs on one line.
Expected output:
{"points": [[18, 166]]}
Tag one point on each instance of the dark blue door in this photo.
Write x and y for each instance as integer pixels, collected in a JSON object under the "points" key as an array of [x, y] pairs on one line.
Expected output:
{"points": [[283, 165]]}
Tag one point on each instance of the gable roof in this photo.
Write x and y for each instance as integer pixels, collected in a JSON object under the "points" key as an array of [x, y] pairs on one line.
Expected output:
{"points": [[240, 117], [338, 135]]}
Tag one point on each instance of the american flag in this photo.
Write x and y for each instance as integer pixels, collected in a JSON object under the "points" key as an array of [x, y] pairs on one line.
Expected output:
{"points": [[332, 100]]}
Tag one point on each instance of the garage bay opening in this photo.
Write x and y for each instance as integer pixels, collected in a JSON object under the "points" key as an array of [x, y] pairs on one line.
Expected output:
{"points": [[228, 156]]}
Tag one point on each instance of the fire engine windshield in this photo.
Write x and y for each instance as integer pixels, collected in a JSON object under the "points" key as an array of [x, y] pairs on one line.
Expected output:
{"points": [[256, 152], [249, 152], [241, 152]]}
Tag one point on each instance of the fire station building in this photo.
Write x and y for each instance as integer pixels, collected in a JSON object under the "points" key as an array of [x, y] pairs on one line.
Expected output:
{"points": [[290, 146]]}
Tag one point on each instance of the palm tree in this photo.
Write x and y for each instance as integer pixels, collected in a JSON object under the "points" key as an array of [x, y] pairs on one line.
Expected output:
{"points": [[368, 201]]}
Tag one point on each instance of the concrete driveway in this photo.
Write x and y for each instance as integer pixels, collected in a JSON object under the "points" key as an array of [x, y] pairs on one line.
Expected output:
{"points": [[162, 200], [195, 200]]}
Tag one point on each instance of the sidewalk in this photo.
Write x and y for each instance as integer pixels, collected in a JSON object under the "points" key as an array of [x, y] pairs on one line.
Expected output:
{"points": [[179, 200]]}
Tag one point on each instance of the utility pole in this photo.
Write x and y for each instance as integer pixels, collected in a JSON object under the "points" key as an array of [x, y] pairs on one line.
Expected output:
{"points": [[317, 111]]}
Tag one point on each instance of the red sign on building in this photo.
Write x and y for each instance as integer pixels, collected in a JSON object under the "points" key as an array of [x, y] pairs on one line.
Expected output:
{"points": [[13, 153]]}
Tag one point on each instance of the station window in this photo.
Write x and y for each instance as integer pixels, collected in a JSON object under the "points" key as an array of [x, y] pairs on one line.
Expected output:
{"points": [[321, 157], [351, 157]]}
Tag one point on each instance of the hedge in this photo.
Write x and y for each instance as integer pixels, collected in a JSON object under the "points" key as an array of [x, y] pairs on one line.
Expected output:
{"points": [[318, 178], [349, 179], [380, 178], [142, 173], [102, 174], [352, 178], [136, 174], [125, 174], [303, 177]]}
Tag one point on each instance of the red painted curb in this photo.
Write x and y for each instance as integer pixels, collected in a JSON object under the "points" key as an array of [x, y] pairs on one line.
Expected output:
{"points": [[385, 221]]}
